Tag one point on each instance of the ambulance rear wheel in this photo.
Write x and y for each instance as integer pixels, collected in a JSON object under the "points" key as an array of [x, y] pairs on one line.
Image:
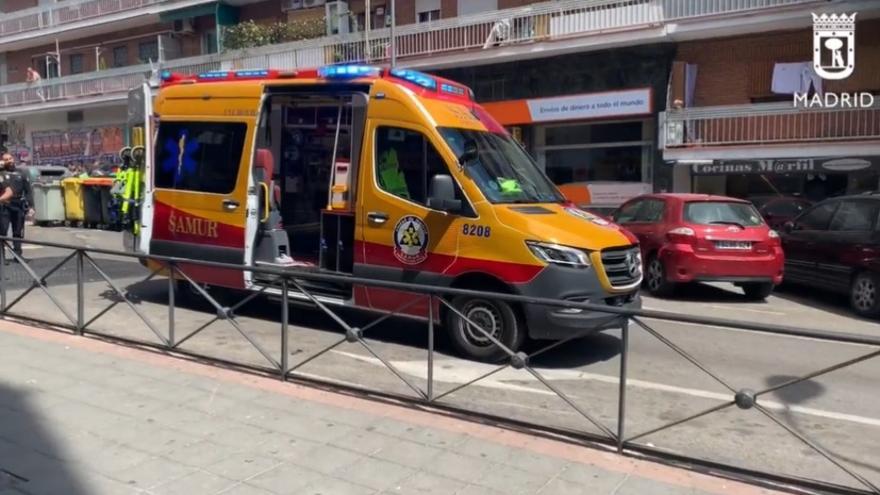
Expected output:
{"points": [[494, 318]]}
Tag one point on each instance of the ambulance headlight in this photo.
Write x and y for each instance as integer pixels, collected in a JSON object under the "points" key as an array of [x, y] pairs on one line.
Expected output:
{"points": [[560, 255]]}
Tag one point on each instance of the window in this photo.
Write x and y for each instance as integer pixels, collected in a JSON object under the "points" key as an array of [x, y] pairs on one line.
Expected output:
{"points": [[209, 42], [785, 208], [855, 216], [120, 56], [199, 156], [502, 170], [818, 217], [148, 51], [628, 212], [614, 151], [652, 211], [76, 63], [722, 213], [647, 211], [430, 15], [405, 163]]}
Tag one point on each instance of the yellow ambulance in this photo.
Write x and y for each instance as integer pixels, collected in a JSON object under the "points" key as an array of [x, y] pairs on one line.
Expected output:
{"points": [[386, 174]]}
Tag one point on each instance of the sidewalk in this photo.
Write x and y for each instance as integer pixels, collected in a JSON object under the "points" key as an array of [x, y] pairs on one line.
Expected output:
{"points": [[80, 416]]}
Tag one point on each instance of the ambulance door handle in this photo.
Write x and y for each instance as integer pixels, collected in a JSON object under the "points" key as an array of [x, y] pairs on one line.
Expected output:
{"points": [[379, 217], [230, 204]]}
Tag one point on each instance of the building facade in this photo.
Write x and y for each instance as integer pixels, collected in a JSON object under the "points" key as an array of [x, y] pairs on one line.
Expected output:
{"points": [[626, 97]]}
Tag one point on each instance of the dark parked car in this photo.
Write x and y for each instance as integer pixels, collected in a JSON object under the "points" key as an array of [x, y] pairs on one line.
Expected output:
{"points": [[836, 245], [777, 210], [700, 238]]}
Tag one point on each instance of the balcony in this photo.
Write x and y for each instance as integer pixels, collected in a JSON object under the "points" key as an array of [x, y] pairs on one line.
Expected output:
{"points": [[65, 18], [710, 132], [493, 36]]}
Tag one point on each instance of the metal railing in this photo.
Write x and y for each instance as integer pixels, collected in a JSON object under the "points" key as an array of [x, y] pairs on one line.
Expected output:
{"points": [[425, 392], [59, 15], [502, 28], [767, 123], [108, 82]]}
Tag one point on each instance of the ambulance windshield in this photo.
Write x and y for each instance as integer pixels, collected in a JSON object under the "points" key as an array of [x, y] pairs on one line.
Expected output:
{"points": [[503, 171]]}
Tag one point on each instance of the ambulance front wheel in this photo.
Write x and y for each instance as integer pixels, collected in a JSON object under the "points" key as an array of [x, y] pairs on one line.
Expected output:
{"points": [[484, 318]]}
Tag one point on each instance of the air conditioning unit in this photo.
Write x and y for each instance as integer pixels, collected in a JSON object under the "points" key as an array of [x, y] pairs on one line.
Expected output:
{"points": [[307, 4], [291, 5], [183, 26]]}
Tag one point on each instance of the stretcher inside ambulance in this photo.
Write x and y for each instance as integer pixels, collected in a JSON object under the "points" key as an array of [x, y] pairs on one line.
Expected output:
{"points": [[383, 174]]}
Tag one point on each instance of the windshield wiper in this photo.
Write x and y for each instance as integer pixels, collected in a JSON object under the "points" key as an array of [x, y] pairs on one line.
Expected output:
{"points": [[727, 222]]}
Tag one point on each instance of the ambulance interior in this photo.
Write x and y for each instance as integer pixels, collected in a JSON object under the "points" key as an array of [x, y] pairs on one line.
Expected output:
{"points": [[305, 159]]}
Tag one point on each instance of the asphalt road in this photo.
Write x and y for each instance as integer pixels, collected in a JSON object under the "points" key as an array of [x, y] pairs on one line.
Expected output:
{"points": [[840, 411]]}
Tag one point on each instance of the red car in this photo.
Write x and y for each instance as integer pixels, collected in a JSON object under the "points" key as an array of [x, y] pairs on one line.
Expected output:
{"points": [[700, 238]]}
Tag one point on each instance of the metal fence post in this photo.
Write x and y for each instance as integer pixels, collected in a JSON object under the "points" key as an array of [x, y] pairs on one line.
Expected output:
{"points": [[172, 286], [80, 292], [285, 308], [430, 347], [621, 397], [2, 275]]}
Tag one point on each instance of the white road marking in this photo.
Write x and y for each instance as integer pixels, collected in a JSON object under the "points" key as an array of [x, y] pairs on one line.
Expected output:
{"points": [[749, 310], [770, 334], [728, 308], [459, 371]]}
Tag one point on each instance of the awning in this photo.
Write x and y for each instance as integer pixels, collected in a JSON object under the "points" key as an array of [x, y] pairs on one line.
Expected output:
{"points": [[194, 11]]}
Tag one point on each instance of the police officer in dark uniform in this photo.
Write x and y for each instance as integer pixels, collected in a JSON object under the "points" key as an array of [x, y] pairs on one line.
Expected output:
{"points": [[15, 211]]}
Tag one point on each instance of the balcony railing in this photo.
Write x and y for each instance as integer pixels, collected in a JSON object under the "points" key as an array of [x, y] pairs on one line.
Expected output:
{"points": [[69, 12], [480, 33], [771, 123]]}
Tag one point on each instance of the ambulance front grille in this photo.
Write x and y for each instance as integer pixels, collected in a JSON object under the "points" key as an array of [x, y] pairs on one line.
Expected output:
{"points": [[623, 267]]}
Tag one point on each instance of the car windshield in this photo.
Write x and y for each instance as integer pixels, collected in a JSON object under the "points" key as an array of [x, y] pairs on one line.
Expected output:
{"points": [[503, 171], [722, 213]]}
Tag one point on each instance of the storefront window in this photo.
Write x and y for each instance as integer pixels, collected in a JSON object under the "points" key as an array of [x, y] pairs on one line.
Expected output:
{"points": [[623, 163], [594, 133], [599, 152]]}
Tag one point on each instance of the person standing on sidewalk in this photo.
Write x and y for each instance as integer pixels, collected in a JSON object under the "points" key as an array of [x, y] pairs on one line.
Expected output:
{"points": [[19, 206]]}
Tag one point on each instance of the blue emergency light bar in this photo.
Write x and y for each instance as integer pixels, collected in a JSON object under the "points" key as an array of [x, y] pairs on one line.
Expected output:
{"points": [[452, 89], [348, 71], [252, 73], [214, 74], [415, 77]]}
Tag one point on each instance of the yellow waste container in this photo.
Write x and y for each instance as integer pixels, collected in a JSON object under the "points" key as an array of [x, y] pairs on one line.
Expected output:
{"points": [[73, 199]]}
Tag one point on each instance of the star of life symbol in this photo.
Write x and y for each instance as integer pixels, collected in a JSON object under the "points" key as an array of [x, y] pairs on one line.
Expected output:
{"points": [[834, 47], [411, 240]]}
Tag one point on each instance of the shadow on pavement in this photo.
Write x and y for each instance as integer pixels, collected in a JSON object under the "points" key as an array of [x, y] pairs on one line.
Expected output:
{"points": [[400, 331], [29, 455], [799, 394], [831, 302], [697, 292]]}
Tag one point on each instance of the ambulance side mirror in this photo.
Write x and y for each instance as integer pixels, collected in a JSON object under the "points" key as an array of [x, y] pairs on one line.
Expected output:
{"points": [[469, 153], [442, 194]]}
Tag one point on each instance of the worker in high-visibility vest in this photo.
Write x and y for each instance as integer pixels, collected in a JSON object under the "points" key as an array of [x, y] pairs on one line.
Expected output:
{"points": [[391, 178]]}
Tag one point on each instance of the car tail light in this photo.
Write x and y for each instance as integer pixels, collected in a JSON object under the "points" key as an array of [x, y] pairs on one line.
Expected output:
{"points": [[682, 235], [773, 237]]}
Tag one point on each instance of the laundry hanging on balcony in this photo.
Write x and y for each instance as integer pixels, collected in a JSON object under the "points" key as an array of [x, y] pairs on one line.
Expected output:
{"points": [[797, 77]]}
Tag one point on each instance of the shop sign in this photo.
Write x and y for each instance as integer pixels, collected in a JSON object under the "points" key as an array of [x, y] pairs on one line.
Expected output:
{"points": [[607, 104], [785, 166], [616, 193], [591, 106]]}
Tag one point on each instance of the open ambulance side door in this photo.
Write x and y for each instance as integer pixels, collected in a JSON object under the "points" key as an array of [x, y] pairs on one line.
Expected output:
{"points": [[138, 192]]}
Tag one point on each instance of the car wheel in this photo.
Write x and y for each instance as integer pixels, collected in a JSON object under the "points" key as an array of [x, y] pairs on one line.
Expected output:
{"points": [[655, 281], [864, 295], [495, 318], [758, 291]]}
